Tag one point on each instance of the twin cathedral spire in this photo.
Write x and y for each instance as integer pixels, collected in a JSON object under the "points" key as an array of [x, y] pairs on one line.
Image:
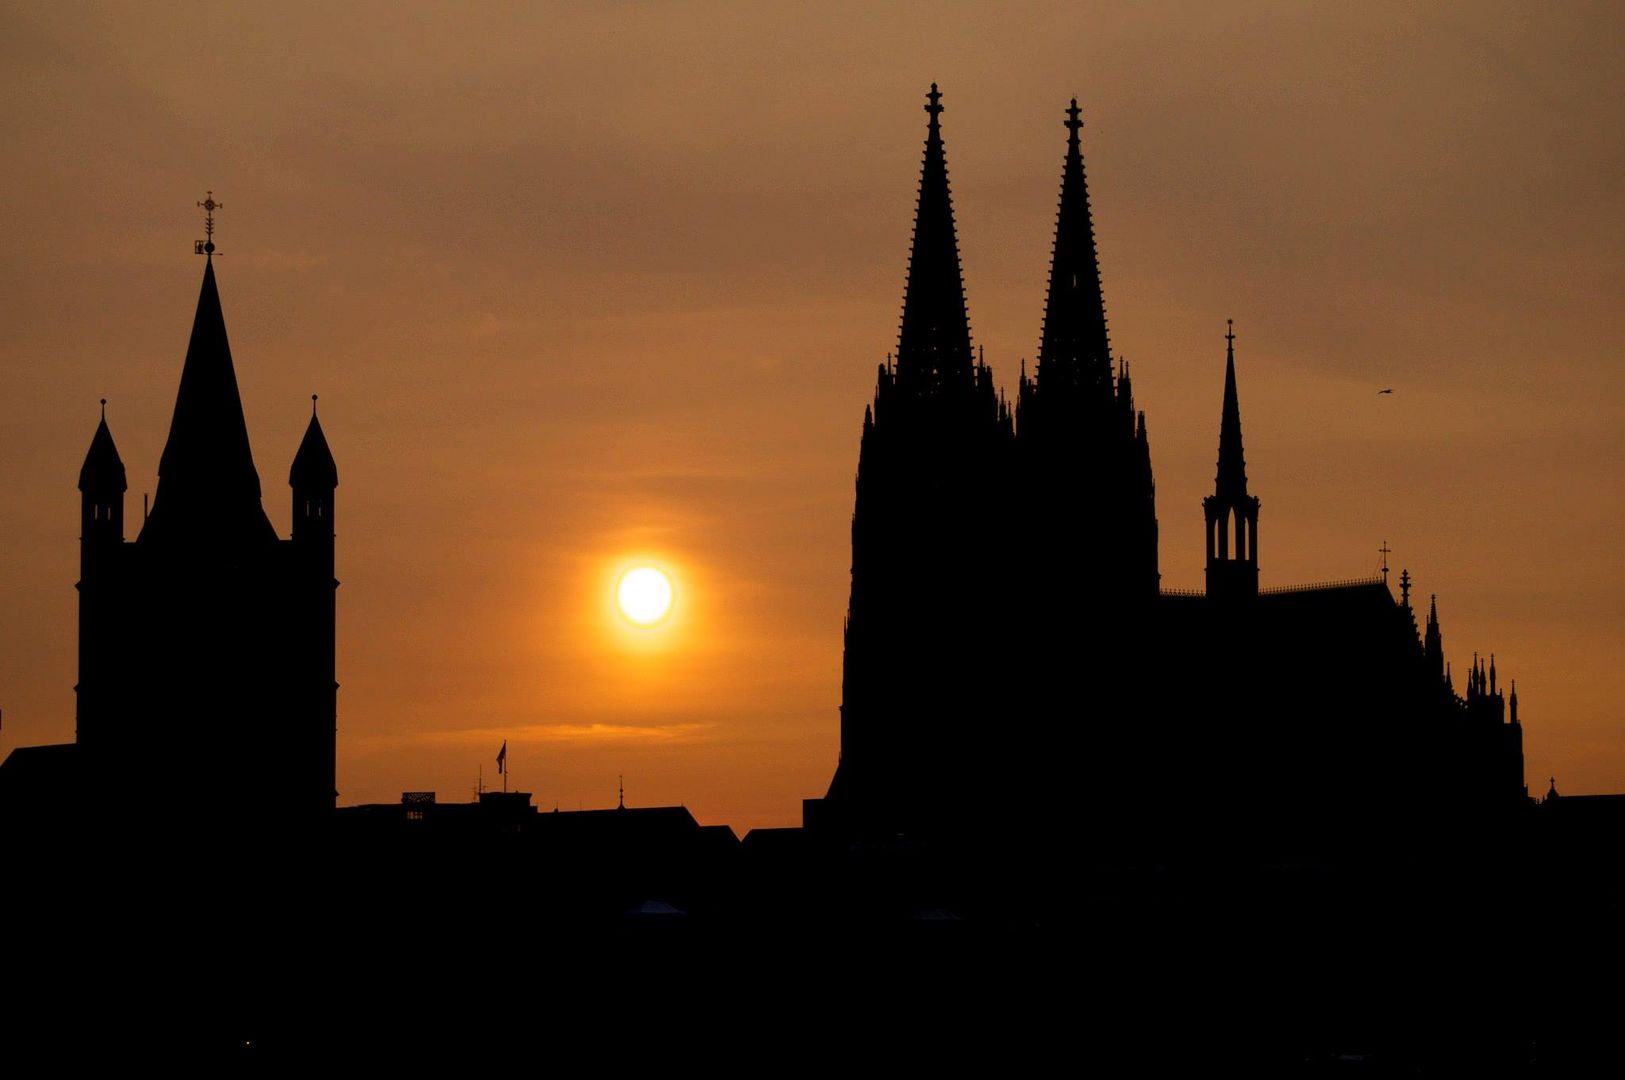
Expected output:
{"points": [[1074, 419]]}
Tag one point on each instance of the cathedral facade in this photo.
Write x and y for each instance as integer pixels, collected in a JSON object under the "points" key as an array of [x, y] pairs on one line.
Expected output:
{"points": [[1269, 720]]}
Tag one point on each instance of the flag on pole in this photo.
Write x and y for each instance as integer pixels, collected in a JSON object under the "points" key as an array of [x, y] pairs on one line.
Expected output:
{"points": [[502, 757]]}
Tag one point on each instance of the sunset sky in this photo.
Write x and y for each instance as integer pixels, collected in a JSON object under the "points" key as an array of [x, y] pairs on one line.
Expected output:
{"points": [[588, 286]]}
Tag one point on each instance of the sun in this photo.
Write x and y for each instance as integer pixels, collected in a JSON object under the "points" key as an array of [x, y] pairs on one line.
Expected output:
{"points": [[644, 595]]}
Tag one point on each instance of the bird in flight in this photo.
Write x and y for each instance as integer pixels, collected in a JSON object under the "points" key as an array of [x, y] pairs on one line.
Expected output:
{"points": [[1390, 390]]}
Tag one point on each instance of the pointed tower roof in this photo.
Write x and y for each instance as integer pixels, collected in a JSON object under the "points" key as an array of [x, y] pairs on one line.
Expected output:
{"points": [[1074, 349], [933, 343], [103, 470], [313, 465], [207, 482], [1232, 477]]}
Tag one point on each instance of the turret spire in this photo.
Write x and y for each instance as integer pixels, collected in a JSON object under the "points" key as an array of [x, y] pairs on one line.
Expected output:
{"points": [[102, 474], [313, 464], [1074, 350], [1433, 641], [933, 343]]}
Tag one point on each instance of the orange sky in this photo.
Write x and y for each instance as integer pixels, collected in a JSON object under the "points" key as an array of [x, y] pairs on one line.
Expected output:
{"points": [[585, 284]]}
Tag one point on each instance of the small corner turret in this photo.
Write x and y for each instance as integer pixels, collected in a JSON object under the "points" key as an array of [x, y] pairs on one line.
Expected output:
{"points": [[314, 477], [102, 485]]}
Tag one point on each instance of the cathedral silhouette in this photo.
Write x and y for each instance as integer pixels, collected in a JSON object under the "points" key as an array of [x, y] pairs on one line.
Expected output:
{"points": [[1056, 686]]}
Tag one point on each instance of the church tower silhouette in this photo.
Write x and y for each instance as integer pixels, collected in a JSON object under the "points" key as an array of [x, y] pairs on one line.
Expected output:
{"points": [[928, 539], [206, 645], [1231, 513], [1088, 493], [997, 552]]}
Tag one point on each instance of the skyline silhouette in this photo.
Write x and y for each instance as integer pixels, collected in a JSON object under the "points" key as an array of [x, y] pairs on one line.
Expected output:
{"points": [[709, 414]]}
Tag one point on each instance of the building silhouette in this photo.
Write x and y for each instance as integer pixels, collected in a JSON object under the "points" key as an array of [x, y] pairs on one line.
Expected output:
{"points": [[206, 643], [1183, 794], [1013, 668]]}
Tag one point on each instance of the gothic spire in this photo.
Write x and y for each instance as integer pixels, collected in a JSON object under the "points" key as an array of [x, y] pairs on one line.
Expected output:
{"points": [[1074, 350], [207, 484], [933, 344], [1232, 478]]}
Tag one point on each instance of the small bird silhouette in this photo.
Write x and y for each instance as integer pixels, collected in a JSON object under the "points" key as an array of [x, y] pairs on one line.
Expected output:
{"points": [[1390, 390]]}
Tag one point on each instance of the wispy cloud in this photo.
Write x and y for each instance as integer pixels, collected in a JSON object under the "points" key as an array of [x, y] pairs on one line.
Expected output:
{"points": [[580, 733]]}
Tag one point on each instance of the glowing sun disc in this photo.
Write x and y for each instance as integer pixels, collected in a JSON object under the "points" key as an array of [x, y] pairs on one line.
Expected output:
{"points": [[644, 595]]}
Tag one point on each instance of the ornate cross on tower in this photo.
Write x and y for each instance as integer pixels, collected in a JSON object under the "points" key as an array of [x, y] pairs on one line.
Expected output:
{"points": [[1386, 551], [1072, 122], [206, 247], [935, 107], [1230, 340]]}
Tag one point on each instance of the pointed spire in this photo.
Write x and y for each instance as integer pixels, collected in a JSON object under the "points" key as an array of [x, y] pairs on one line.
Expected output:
{"points": [[1232, 477], [207, 483], [1513, 703], [1074, 350], [933, 343], [103, 470], [313, 465]]}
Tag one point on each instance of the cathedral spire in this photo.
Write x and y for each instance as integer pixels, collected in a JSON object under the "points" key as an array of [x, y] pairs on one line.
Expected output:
{"points": [[933, 344], [1232, 477], [207, 484], [1074, 350]]}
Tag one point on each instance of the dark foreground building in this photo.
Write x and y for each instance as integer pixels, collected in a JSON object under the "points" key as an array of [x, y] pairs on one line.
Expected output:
{"points": [[206, 643], [1056, 694]]}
